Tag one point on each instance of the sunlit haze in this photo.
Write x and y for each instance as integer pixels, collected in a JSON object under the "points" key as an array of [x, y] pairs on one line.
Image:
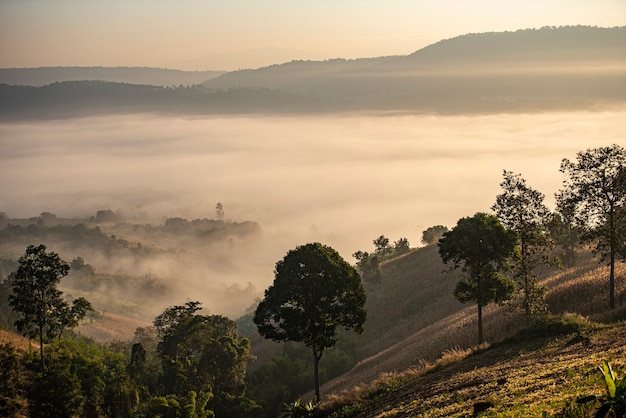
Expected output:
{"points": [[340, 180], [339, 152], [209, 35]]}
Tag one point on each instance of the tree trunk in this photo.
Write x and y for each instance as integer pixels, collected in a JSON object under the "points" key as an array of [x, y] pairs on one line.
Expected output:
{"points": [[612, 281], [480, 324], [612, 249], [316, 363], [41, 358]]}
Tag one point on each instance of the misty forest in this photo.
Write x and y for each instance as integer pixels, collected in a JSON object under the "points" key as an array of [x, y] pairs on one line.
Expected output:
{"points": [[394, 236]]}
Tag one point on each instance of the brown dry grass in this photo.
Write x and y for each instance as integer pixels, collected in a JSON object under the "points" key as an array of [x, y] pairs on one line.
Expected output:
{"points": [[109, 327], [439, 323], [17, 341], [521, 381]]}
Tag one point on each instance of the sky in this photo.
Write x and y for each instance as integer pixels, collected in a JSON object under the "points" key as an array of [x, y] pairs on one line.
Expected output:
{"points": [[235, 34]]}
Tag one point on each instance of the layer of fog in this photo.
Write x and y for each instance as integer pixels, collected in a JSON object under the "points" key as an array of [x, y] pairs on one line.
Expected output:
{"points": [[340, 180]]}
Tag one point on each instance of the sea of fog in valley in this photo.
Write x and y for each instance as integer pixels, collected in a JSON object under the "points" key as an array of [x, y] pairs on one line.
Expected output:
{"points": [[342, 180]]}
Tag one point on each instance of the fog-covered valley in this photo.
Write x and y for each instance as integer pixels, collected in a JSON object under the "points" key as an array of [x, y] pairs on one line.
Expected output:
{"points": [[342, 180]]}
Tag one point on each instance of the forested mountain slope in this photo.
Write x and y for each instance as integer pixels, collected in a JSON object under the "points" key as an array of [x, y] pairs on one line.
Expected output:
{"points": [[557, 63], [523, 71]]}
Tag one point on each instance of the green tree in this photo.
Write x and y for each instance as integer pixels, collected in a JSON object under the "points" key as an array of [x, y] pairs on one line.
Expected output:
{"points": [[521, 209], [564, 228], [12, 378], [401, 246], [368, 265], [596, 185], [69, 317], [481, 247], [433, 234], [36, 297], [314, 291], [57, 393], [383, 248], [203, 353]]}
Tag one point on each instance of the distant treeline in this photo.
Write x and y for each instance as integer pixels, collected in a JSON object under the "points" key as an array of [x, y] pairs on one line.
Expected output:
{"points": [[135, 75], [84, 98]]}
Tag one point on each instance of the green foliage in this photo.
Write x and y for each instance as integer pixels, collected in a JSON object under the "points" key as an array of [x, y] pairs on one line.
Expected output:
{"points": [[521, 209], [36, 297], [614, 400], [595, 189], [564, 228], [369, 264], [105, 384], [299, 409], [549, 327], [11, 381], [481, 247], [57, 393], [401, 246], [288, 376], [433, 234], [315, 291], [196, 405], [203, 353], [192, 405]]}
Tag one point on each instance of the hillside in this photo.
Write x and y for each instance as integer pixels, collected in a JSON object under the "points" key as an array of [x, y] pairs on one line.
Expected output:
{"points": [[524, 71], [417, 319], [480, 71], [544, 369], [415, 323]]}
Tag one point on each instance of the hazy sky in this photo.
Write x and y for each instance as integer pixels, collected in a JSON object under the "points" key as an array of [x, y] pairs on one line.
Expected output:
{"points": [[226, 35]]}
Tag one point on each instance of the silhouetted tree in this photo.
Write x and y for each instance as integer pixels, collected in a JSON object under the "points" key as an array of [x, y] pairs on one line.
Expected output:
{"points": [[314, 291], [219, 211], [521, 209], [69, 317], [481, 247], [433, 234], [35, 294], [368, 265], [596, 187], [401, 246], [382, 248]]}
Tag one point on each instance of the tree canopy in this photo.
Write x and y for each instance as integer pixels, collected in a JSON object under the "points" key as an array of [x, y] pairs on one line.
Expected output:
{"points": [[315, 291], [203, 355], [521, 209], [481, 247], [36, 297], [595, 187], [432, 234]]}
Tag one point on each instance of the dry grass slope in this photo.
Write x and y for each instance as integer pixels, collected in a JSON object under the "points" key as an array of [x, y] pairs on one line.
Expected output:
{"points": [[519, 380], [416, 293]]}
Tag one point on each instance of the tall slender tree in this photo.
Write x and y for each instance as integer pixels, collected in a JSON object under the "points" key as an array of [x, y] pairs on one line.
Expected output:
{"points": [[314, 291], [596, 186], [481, 247], [35, 295], [521, 209]]}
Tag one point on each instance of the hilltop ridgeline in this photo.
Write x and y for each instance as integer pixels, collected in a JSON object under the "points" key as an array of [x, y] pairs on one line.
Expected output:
{"points": [[570, 67]]}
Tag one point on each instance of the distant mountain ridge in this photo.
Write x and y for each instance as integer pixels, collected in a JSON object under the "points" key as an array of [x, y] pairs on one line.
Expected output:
{"points": [[532, 70], [574, 43], [42, 76]]}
